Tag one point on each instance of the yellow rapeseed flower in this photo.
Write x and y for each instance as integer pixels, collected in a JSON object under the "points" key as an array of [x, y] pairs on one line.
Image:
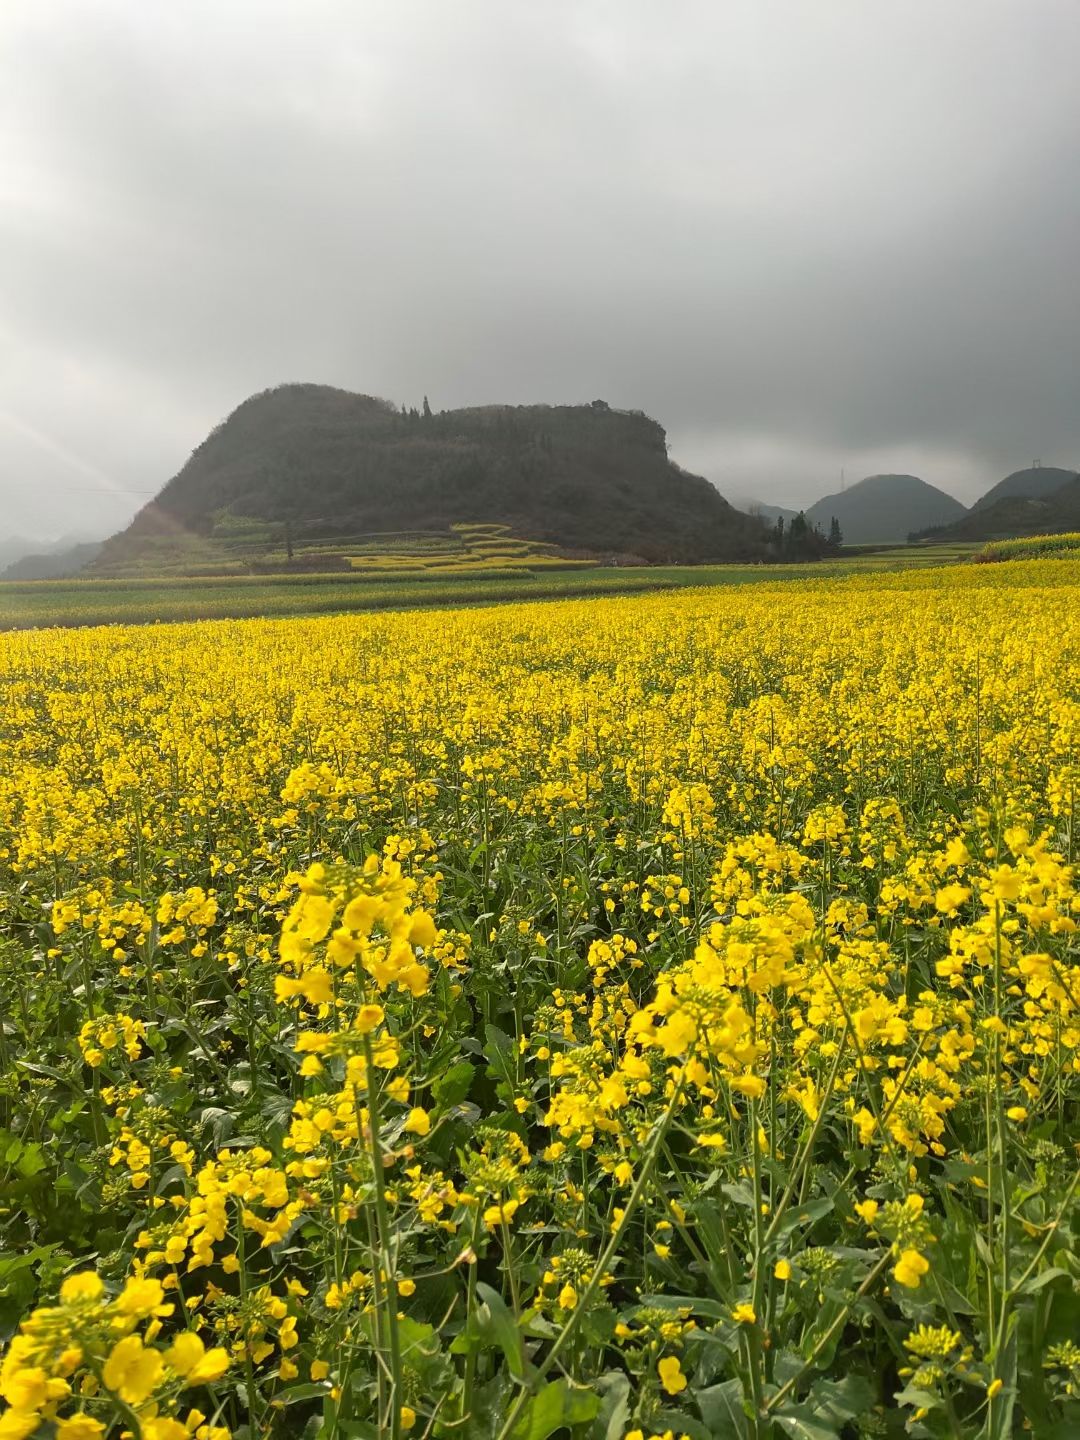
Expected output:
{"points": [[910, 1269], [671, 1376]]}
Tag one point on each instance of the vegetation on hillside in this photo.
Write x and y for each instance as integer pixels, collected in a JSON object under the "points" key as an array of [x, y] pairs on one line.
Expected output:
{"points": [[1017, 515], [800, 539], [305, 465], [1031, 547], [1033, 483], [884, 509]]}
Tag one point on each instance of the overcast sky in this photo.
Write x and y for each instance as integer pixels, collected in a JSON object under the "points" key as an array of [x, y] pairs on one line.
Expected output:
{"points": [[802, 236]]}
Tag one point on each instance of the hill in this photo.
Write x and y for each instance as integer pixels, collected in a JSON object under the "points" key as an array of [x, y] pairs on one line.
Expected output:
{"points": [[14, 547], [1032, 484], [769, 513], [885, 509], [1017, 515], [53, 564], [309, 465], [23, 559], [18, 547]]}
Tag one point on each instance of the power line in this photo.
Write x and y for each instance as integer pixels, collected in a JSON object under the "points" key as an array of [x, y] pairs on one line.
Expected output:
{"points": [[101, 490]]}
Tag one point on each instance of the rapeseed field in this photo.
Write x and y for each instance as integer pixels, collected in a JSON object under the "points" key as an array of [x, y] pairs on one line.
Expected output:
{"points": [[651, 1016]]}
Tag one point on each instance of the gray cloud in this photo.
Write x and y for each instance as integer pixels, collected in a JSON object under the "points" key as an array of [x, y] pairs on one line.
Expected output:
{"points": [[803, 237]]}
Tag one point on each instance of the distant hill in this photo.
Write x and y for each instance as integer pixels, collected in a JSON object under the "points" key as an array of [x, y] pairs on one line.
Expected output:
{"points": [[14, 547], [1013, 515], [310, 462], [54, 564], [885, 509], [769, 513], [1032, 484]]}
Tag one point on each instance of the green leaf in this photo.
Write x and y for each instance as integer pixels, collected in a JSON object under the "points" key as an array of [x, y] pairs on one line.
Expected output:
{"points": [[918, 1398], [803, 1429], [490, 1404], [555, 1406], [682, 1425], [48, 1070], [31, 1162], [955, 1299], [420, 1348], [453, 1084], [614, 1413], [11, 1264], [999, 1411], [721, 1408], [504, 1329], [1044, 1277], [711, 1309], [499, 1053], [219, 1121], [1066, 1428], [842, 1400], [174, 1175], [293, 1394], [597, 1326], [581, 1405], [805, 1214]]}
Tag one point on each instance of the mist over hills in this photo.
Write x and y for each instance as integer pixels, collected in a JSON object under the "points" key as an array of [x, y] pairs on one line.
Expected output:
{"points": [[890, 509], [54, 564], [309, 468], [23, 559], [325, 462], [768, 513], [15, 547]]}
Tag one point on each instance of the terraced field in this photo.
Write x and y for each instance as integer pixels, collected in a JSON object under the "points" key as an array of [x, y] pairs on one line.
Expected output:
{"points": [[384, 584]]}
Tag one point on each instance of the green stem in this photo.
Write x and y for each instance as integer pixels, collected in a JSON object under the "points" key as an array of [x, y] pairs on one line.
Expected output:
{"points": [[757, 1272], [1051, 1232], [804, 1159], [470, 1354], [840, 1320], [241, 1257], [382, 1219], [568, 1331]]}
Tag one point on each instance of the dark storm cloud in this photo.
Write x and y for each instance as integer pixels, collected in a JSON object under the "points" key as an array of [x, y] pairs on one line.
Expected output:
{"points": [[803, 237]]}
